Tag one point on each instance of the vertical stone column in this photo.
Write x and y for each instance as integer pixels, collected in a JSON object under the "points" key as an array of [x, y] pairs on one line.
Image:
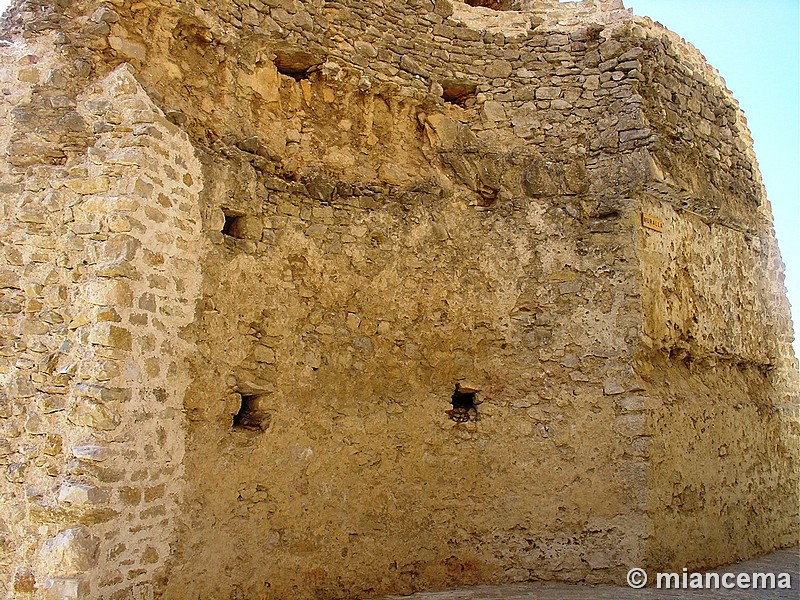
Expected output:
{"points": [[106, 271]]}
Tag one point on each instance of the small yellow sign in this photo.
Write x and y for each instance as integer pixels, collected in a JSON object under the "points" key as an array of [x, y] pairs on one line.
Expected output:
{"points": [[652, 222]]}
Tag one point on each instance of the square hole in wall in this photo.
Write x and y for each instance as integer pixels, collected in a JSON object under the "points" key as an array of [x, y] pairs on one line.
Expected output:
{"points": [[231, 227], [459, 92], [464, 405], [250, 417], [296, 63]]}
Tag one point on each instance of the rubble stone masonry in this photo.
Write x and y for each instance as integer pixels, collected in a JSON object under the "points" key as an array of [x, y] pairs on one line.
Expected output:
{"points": [[335, 299]]}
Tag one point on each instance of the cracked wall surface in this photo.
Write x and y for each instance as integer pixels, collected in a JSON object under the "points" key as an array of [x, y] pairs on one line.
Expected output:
{"points": [[252, 252]]}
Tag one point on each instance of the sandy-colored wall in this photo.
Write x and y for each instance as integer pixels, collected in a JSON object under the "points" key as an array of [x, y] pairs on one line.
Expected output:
{"points": [[99, 273], [716, 354], [724, 449], [352, 325], [189, 229], [717, 495]]}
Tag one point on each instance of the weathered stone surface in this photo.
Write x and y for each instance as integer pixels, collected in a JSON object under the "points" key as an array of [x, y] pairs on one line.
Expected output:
{"points": [[62, 588], [93, 185], [128, 48], [494, 111], [71, 552], [92, 453], [80, 493], [108, 334], [24, 581], [412, 66], [339, 301], [104, 293], [96, 416]]}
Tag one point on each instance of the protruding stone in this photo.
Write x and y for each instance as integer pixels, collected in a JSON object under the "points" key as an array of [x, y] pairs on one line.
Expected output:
{"points": [[71, 552], [250, 145], [112, 336], [91, 453], [94, 415], [81, 493], [412, 66], [108, 293], [104, 15], [66, 589], [468, 387], [365, 49], [93, 185]]}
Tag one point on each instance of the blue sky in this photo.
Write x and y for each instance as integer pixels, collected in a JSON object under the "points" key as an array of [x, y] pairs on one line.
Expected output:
{"points": [[754, 44]]}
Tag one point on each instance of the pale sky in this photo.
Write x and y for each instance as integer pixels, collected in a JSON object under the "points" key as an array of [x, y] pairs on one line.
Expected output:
{"points": [[754, 44]]}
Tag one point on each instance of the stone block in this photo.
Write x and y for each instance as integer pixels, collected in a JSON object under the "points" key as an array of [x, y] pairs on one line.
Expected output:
{"points": [[613, 387], [630, 425], [108, 293], [634, 134], [80, 320], [94, 415], [104, 15], [71, 552], [445, 130], [9, 280], [412, 66], [91, 453], [493, 111], [498, 69], [81, 493], [53, 445], [66, 589], [548, 93], [101, 392], [365, 49], [110, 335], [107, 205], [264, 354], [30, 214], [89, 185], [537, 179], [468, 387], [36, 425]]}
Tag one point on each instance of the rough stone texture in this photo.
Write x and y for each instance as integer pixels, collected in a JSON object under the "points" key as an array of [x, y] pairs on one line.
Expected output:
{"points": [[783, 561], [252, 252]]}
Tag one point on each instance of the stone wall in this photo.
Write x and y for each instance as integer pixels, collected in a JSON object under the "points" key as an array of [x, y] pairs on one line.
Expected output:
{"points": [[339, 299], [717, 328], [100, 261]]}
